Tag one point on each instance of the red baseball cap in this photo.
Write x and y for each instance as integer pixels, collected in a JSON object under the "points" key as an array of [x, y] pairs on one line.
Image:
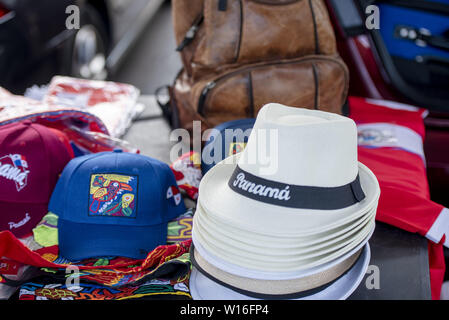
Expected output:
{"points": [[32, 157]]}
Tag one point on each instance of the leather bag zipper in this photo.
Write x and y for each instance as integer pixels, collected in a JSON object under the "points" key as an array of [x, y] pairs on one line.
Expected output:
{"points": [[223, 4], [191, 33], [212, 84]]}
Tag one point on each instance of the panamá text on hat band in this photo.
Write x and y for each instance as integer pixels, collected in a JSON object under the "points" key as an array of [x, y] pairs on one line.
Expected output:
{"points": [[294, 196]]}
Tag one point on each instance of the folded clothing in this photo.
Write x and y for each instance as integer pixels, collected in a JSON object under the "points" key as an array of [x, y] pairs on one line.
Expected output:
{"points": [[46, 288], [166, 263], [114, 103]]}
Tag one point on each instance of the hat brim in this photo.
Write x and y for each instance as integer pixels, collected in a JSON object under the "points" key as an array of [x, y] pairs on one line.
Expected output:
{"points": [[276, 245], [231, 267], [21, 218], [252, 256], [93, 240], [203, 288], [282, 289], [264, 263], [236, 210]]}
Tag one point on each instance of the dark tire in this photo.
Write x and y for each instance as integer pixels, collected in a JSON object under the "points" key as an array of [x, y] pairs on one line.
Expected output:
{"points": [[84, 55]]}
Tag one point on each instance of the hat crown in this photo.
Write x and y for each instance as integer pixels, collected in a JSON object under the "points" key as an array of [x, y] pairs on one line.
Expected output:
{"points": [[302, 147]]}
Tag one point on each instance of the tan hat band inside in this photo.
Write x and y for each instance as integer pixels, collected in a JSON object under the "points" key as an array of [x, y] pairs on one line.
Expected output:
{"points": [[273, 288]]}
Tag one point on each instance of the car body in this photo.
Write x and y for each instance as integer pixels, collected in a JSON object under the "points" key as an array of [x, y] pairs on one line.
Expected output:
{"points": [[36, 44], [374, 75]]}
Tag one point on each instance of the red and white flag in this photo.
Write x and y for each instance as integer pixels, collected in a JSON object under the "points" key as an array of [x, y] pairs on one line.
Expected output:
{"points": [[391, 137]]}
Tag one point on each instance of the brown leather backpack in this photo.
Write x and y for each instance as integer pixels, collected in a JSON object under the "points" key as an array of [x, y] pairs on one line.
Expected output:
{"points": [[241, 54]]}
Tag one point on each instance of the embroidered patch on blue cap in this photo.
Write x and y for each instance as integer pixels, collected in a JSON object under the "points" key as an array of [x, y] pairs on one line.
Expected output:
{"points": [[113, 195]]}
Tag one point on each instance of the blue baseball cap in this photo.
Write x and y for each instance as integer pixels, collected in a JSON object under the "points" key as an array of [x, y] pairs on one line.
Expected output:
{"points": [[114, 204], [227, 144]]}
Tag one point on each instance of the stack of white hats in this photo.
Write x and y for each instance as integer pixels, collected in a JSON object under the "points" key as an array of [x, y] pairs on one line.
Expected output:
{"points": [[290, 217]]}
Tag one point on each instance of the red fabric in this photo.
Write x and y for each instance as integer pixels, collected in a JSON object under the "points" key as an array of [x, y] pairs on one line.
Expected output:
{"points": [[8, 267], [437, 268], [363, 111], [405, 197], [96, 92], [404, 201], [187, 171], [11, 248]]}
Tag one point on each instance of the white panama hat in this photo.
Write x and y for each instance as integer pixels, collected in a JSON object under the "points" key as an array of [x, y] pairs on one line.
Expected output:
{"points": [[315, 155], [289, 205]]}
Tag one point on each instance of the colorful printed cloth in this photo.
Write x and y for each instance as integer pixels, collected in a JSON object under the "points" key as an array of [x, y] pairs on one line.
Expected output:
{"points": [[101, 278], [187, 171], [107, 271], [18, 272], [46, 289], [175, 268], [180, 229], [46, 231], [164, 274]]}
